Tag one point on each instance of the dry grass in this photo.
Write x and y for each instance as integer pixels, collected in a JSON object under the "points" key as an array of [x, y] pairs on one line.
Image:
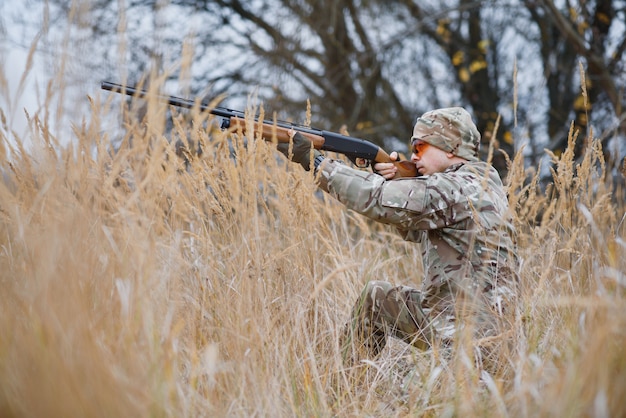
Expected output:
{"points": [[133, 285]]}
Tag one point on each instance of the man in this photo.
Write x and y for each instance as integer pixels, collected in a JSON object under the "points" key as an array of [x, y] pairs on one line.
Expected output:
{"points": [[457, 210]]}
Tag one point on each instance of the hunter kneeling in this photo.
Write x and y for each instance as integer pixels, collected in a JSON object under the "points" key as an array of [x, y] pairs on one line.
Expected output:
{"points": [[457, 210]]}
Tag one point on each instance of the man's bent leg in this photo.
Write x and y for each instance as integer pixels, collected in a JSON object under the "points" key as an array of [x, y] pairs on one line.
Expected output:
{"points": [[382, 310]]}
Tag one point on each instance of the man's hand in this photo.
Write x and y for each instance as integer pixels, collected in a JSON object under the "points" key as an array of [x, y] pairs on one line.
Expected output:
{"points": [[387, 170], [302, 151]]}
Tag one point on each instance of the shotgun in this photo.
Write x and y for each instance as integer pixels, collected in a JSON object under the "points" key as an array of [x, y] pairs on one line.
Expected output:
{"points": [[361, 152]]}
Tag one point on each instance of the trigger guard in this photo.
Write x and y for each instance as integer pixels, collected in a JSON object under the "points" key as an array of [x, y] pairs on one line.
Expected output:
{"points": [[361, 162]]}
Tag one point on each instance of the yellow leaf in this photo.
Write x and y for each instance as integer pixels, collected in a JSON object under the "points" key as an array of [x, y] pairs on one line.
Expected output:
{"points": [[477, 65], [482, 45], [508, 138], [360, 126], [442, 27], [579, 103], [458, 58], [602, 17], [464, 75]]}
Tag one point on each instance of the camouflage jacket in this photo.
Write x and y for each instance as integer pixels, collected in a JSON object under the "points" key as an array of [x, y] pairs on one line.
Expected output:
{"points": [[460, 217]]}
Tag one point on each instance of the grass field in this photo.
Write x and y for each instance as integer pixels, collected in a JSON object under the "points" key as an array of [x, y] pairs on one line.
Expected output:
{"points": [[135, 285]]}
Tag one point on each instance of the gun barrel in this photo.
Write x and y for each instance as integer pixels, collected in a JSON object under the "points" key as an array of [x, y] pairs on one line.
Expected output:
{"points": [[173, 100], [189, 104], [131, 91]]}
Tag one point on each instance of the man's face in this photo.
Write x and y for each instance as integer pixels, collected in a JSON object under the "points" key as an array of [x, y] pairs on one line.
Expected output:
{"points": [[429, 159]]}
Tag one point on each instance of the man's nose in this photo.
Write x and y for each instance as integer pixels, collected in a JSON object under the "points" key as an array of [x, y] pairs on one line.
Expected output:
{"points": [[415, 157]]}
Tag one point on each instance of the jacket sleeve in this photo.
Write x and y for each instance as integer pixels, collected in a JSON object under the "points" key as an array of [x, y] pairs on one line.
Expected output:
{"points": [[362, 191], [420, 203]]}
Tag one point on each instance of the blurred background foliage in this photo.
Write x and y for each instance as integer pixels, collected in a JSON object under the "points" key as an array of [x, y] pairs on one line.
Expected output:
{"points": [[529, 68]]}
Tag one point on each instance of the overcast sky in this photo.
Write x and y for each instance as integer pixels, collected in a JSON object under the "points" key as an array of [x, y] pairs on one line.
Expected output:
{"points": [[21, 28], [16, 41]]}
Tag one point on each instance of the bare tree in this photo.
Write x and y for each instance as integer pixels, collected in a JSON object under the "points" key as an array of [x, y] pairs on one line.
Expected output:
{"points": [[374, 65], [583, 32], [350, 58], [365, 66]]}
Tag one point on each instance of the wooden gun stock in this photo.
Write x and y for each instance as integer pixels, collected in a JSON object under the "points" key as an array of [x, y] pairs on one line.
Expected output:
{"points": [[269, 131]]}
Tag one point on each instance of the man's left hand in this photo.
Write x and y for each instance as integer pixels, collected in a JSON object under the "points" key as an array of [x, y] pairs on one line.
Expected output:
{"points": [[302, 151]]}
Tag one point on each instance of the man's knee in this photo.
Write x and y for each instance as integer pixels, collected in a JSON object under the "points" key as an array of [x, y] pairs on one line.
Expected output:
{"points": [[368, 305], [363, 337], [375, 290], [376, 286]]}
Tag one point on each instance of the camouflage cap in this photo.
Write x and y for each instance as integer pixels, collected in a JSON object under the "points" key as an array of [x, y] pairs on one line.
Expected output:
{"points": [[450, 129]]}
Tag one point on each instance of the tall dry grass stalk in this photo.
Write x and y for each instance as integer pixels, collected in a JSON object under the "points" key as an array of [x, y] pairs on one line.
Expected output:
{"points": [[134, 284]]}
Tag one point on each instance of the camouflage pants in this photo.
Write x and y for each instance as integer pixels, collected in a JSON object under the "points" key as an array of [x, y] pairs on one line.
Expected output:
{"points": [[385, 310]]}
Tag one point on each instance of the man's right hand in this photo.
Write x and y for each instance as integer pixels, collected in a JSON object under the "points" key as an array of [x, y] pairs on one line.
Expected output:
{"points": [[387, 170]]}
